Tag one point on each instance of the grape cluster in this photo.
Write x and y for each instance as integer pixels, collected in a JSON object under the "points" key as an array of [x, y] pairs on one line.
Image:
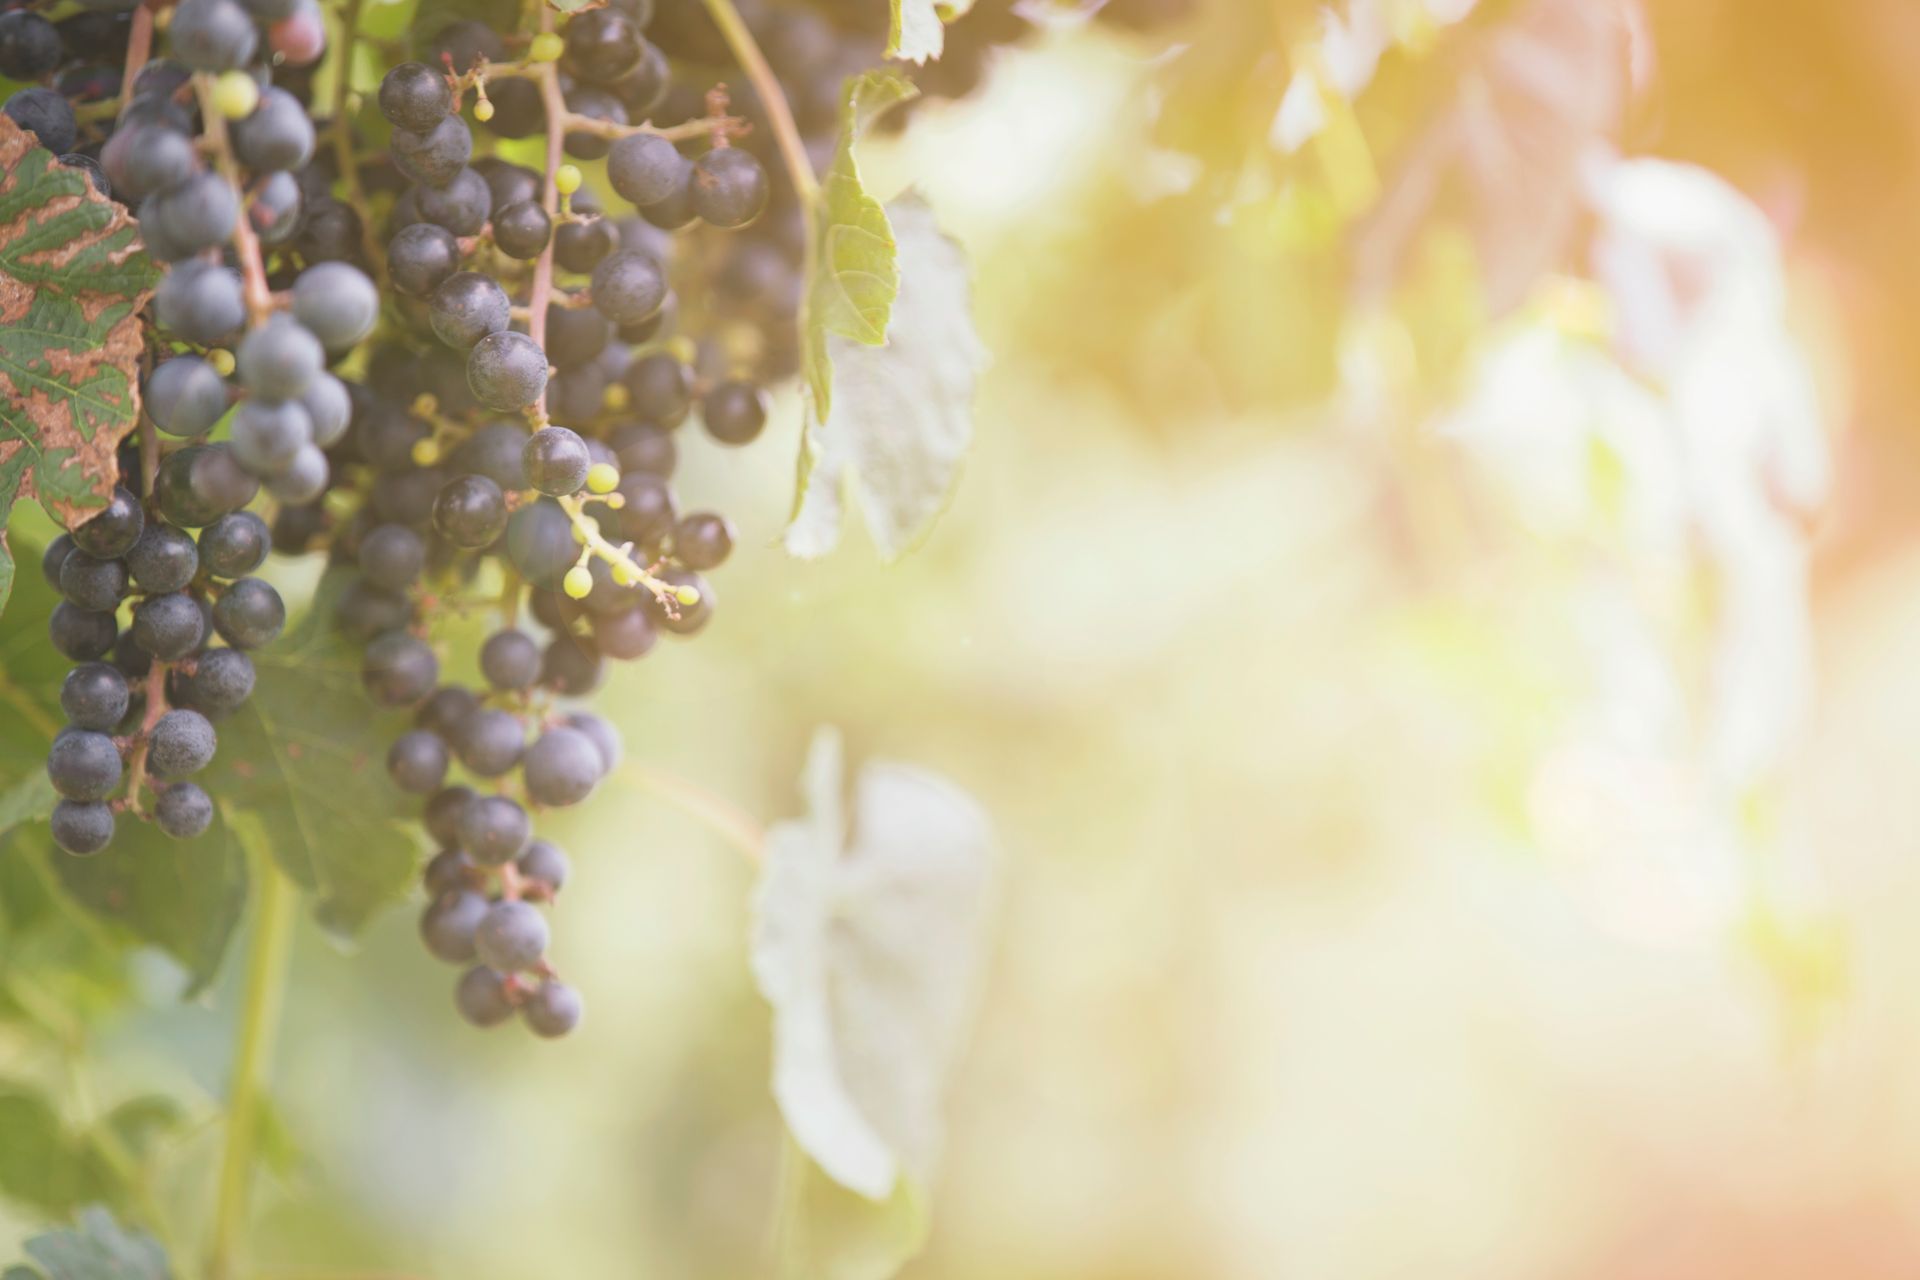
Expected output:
{"points": [[495, 424], [147, 697]]}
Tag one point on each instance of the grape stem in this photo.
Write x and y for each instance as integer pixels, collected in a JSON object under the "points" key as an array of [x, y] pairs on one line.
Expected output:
{"points": [[341, 134], [139, 49], [252, 1052], [156, 707], [793, 151], [586, 530], [246, 246], [542, 289]]}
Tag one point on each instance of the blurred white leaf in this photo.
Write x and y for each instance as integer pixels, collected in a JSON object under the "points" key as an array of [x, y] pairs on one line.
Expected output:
{"points": [[1343, 60], [867, 943], [902, 414], [918, 32]]}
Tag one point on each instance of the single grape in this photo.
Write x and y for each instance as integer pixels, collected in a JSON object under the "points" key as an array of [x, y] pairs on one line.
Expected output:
{"points": [[398, 670], [470, 511], [83, 765], [337, 303], [93, 584], [481, 997], [115, 528], [552, 1010], [81, 634], [143, 159], [279, 359], [579, 246], [170, 626], [576, 337], [465, 44], [45, 114], [466, 308], [544, 864], [512, 936], [461, 206], [659, 389], [643, 447], [267, 434], [212, 35], [301, 37], [433, 157], [82, 827], [446, 710], [197, 214], [183, 810], [647, 515], [494, 452], [625, 636], [182, 743], [628, 287], [522, 230], [603, 44], [519, 110], [510, 661], [164, 559], [646, 168], [94, 695], [414, 96], [249, 614], [185, 396], [420, 257], [673, 213], [277, 136], [417, 762], [735, 412], [448, 870], [444, 811], [599, 731], [561, 767], [234, 545], [330, 231], [329, 407], [450, 924], [489, 742], [392, 557], [222, 680], [571, 667], [703, 540], [507, 371], [494, 829], [556, 461], [200, 302], [199, 484], [686, 619], [54, 558], [274, 209], [30, 47]]}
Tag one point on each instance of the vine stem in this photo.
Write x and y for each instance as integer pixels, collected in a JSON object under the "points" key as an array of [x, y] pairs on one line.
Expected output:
{"points": [[542, 289], [717, 815], [139, 49], [793, 151], [246, 246], [252, 1053], [341, 135]]}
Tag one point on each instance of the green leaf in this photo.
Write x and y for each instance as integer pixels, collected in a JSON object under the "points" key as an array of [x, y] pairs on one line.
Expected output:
{"points": [[139, 1123], [855, 279], [301, 771], [29, 800], [918, 30], [99, 1249], [868, 940], [182, 896], [42, 1165], [902, 414], [73, 277], [570, 6]]}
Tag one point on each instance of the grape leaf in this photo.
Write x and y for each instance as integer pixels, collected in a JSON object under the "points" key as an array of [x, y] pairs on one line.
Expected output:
{"points": [[73, 277], [918, 30], [99, 1249], [903, 415], [42, 1165], [302, 769], [29, 800], [182, 896], [867, 942], [855, 279]]}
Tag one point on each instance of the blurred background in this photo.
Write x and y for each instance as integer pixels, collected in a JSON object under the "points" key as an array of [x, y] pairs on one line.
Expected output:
{"points": [[1430, 610]]}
